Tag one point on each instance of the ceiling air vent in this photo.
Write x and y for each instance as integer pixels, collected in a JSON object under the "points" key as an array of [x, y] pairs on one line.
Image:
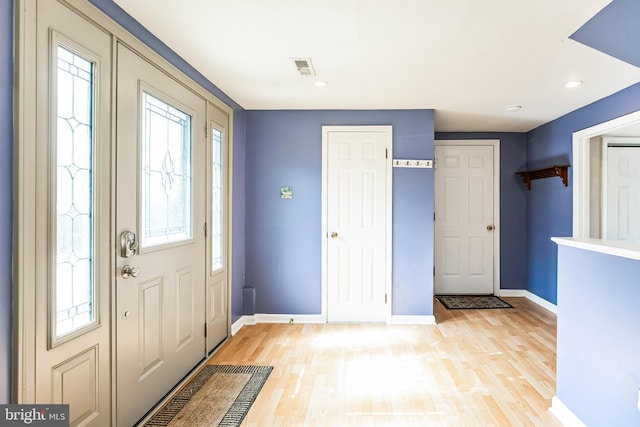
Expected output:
{"points": [[304, 66]]}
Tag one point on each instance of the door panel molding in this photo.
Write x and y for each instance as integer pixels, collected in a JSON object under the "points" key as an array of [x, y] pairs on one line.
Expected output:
{"points": [[495, 143]]}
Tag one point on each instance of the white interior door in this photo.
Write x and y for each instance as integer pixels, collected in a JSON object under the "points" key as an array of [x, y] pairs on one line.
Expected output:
{"points": [[464, 219], [72, 222], [622, 218], [160, 309], [357, 201]]}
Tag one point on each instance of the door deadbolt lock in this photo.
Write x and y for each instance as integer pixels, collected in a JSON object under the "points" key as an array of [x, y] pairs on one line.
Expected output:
{"points": [[128, 244], [129, 271]]}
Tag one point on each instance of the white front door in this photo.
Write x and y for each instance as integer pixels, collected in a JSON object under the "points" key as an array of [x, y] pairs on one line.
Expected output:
{"points": [[71, 241], [464, 219], [357, 214], [622, 206], [160, 187]]}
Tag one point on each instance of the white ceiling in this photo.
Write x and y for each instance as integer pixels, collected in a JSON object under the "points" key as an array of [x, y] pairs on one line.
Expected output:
{"points": [[467, 59]]}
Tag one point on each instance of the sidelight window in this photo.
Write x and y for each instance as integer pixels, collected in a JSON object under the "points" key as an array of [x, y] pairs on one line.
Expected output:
{"points": [[74, 188]]}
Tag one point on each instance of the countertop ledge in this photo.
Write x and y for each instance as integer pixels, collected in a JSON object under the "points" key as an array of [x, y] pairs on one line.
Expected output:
{"points": [[609, 247]]}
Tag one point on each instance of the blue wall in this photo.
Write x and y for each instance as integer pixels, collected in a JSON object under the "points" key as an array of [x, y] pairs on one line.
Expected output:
{"points": [[283, 237], [611, 29], [6, 191], [598, 374], [549, 203], [238, 234], [513, 204]]}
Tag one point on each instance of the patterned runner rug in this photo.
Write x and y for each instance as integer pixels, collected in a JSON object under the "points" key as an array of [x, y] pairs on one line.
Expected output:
{"points": [[219, 395], [459, 302]]}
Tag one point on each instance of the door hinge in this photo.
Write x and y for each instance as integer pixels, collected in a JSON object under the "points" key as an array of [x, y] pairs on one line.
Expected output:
{"points": [[206, 131], [385, 298], [434, 216], [386, 153], [434, 271], [205, 330], [205, 229]]}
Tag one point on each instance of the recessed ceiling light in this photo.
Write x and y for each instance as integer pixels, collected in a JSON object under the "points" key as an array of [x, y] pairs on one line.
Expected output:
{"points": [[573, 84], [513, 108], [320, 83]]}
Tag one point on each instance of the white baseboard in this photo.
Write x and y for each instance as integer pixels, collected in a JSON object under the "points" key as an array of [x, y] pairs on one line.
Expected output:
{"points": [[512, 293], [412, 320], [531, 297], [318, 318], [238, 324], [276, 318], [290, 318], [564, 414], [395, 319]]}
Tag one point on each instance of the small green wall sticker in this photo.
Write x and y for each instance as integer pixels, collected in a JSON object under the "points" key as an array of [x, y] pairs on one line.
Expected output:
{"points": [[286, 192]]}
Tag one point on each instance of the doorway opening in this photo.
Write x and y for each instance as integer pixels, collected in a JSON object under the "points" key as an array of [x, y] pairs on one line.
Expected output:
{"points": [[588, 191]]}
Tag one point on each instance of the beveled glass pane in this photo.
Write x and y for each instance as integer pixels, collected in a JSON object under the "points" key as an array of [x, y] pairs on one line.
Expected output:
{"points": [[74, 284], [166, 187], [217, 201]]}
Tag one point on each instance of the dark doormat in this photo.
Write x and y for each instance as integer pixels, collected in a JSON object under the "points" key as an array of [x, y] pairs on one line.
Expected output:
{"points": [[219, 395], [461, 302]]}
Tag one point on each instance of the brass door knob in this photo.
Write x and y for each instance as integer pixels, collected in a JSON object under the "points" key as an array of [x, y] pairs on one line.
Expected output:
{"points": [[334, 235], [489, 227]]}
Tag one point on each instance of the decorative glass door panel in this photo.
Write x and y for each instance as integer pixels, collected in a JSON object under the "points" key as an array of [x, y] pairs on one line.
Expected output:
{"points": [[73, 181], [166, 175], [217, 205]]}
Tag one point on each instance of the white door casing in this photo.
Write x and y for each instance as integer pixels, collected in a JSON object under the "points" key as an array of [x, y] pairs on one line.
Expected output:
{"points": [[357, 223], [160, 315], [621, 198], [466, 217]]}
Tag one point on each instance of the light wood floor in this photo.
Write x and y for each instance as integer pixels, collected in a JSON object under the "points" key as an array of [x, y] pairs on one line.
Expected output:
{"points": [[475, 368]]}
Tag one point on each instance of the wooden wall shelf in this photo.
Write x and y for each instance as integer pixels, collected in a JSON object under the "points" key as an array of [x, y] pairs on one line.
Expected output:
{"points": [[548, 172]]}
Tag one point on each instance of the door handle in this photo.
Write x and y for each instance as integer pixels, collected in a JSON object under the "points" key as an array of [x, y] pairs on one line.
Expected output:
{"points": [[129, 271], [490, 227], [334, 235], [128, 244]]}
